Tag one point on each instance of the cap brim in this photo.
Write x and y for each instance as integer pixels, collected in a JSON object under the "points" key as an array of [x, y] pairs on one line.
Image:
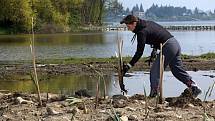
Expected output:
{"points": [[122, 22]]}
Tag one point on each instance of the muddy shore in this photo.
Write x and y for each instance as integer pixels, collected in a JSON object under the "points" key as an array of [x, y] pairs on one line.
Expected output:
{"points": [[87, 68], [24, 107], [19, 106]]}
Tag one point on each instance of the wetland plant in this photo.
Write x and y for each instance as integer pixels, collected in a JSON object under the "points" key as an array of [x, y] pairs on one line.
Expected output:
{"points": [[34, 75], [207, 94], [100, 78]]}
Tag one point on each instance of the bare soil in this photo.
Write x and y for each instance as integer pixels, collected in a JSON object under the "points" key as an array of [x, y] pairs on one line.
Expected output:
{"points": [[134, 108]]}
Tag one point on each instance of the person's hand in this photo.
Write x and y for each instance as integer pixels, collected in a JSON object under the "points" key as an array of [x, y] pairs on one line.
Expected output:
{"points": [[126, 67], [152, 57], [149, 61], [154, 53]]}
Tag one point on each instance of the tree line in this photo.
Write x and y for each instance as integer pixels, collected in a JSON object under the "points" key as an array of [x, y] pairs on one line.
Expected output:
{"points": [[49, 15], [158, 13]]}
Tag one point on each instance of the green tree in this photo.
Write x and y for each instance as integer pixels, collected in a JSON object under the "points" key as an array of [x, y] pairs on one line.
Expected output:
{"points": [[92, 11], [115, 8], [127, 10], [101, 10], [75, 13], [61, 6], [15, 15], [56, 15], [196, 11], [141, 8], [49, 16]]}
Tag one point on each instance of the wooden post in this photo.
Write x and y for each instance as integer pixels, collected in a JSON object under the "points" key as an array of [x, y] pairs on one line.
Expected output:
{"points": [[105, 88], [161, 74], [97, 92]]}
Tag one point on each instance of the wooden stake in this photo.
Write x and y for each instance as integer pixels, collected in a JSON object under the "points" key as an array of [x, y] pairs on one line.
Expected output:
{"points": [[105, 88], [97, 92], [120, 66], [35, 79], [161, 74]]}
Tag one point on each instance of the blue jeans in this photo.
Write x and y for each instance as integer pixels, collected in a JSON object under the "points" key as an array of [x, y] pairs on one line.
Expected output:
{"points": [[172, 57]]}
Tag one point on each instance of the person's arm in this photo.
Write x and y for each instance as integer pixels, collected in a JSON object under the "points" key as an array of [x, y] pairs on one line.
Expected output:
{"points": [[141, 40]]}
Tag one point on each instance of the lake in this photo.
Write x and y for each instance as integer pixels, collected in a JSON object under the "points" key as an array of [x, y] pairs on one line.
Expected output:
{"points": [[101, 44]]}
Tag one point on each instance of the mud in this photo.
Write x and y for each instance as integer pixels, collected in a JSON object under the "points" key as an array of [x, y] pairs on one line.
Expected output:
{"points": [[73, 108], [184, 100], [7, 71]]}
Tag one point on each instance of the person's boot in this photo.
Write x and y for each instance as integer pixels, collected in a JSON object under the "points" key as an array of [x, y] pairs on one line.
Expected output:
{"points": [[195, 91], [194, 88], [153, 93]]}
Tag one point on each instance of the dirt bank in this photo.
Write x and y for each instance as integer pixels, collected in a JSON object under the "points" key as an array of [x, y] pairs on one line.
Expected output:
{"points": [[87, 68], [24, 107]]}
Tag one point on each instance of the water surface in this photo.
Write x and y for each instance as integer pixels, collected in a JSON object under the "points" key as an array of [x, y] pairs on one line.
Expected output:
{"points": [[102, 44], [68, 84]]}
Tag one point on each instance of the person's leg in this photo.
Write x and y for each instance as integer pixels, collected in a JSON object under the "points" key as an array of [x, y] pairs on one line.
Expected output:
{"points": [[178, 71], [154, 77], [169, 52], [176, 67]]}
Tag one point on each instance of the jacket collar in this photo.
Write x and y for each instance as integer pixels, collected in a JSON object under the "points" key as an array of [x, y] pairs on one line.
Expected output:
{"points": [[140, 25]]}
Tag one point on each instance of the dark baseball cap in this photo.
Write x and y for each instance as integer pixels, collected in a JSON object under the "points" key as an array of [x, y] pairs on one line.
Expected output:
{"points": [[129, 19]]}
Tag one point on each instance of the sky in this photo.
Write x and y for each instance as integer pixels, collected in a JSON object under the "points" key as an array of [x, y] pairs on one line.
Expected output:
{"points": [[204, 5]]}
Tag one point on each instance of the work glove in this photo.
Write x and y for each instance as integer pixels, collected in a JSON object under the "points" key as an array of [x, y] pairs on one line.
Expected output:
{"points": [[154, 53], [152, 56], [126, 67]]}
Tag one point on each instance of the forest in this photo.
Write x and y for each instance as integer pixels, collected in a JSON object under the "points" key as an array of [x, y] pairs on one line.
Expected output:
{"points": [[50, 16], [57, 16]]}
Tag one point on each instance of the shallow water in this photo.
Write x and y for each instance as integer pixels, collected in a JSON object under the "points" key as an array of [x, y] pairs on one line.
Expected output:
{"points": [[68, 84], [171, 86]]}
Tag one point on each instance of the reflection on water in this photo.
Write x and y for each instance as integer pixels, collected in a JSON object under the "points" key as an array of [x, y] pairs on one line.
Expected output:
{"points": [[58, 46], [67, 84], [50, 46], [171, 86]]}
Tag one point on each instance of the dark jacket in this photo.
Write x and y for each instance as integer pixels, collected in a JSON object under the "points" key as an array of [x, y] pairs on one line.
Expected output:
{"points": [[148, 32]]}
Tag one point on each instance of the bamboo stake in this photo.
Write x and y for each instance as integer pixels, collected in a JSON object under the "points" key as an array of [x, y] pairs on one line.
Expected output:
{"points": [[105, 88], [146, 105], [35, 79], [97, 92], [120, 65], [161, 74]]}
